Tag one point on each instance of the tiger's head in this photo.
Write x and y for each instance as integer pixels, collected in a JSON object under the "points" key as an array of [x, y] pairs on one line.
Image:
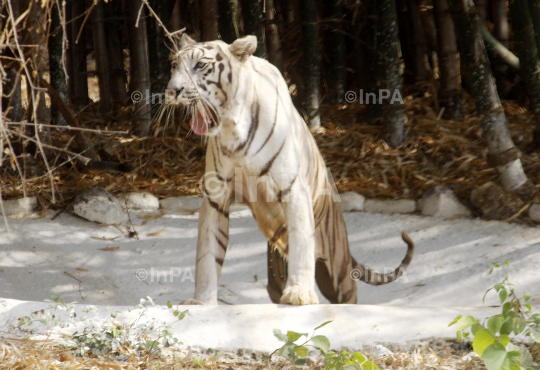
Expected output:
{"points": [[204, 79]]}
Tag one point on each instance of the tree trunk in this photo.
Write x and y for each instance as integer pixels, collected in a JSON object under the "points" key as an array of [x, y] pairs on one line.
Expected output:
{"points": [[253, 20], [209, 10], [450, 88], [481, 8], [500, 30], [56, 67], [116, 52], [139, 69], [228, 20], [337, 51], [430, 31], [160, 66], [418, 42], [78, 56], [312, 58], [273, 42], [102, 57], [174, 23], [534, 9], [386, 70], [502, 154], [528, 57], [405, 39]]}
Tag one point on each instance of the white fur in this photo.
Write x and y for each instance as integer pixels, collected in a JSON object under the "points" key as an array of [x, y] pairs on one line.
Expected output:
{"points": [[255, 82]]}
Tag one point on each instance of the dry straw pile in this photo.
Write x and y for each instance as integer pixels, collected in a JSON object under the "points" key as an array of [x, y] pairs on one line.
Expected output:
{"points": [[170, 162], [28, 354]]}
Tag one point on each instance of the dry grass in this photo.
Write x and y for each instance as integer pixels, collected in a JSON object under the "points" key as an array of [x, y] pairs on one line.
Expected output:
{"points": [[168, 163], [29, 354]]}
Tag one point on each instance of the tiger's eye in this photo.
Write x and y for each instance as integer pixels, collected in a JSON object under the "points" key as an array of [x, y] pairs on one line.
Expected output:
{"points": [[199, 65]]}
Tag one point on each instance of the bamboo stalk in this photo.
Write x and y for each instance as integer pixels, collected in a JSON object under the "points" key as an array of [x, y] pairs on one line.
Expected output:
{"points": [[102, 58], [139, 67], [450, 88], [253, 21], [273, 42], [477, 71], [528, 56], [312, 56], [78, 55]]}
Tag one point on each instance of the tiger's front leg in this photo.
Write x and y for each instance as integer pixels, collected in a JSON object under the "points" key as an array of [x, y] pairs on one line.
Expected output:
{"points": [[300, 287], [213, 237]]}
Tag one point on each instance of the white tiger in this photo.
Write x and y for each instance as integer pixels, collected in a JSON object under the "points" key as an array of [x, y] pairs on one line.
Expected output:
{"points": [[260, 152]]}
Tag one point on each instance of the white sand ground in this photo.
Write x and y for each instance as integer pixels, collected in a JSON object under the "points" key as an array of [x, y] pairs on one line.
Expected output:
{"points": [[448, 276]]}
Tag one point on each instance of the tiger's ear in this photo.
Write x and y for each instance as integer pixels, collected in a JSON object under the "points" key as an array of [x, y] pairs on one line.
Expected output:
{"points": [[243, 48], [185, 41]]}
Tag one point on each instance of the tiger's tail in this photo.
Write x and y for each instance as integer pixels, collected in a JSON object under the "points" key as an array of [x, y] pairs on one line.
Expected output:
{"points": [[367, 275]]}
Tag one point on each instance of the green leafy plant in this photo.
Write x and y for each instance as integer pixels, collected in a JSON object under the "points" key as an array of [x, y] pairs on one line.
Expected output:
{"points": [[297, 353], [492, 337]]}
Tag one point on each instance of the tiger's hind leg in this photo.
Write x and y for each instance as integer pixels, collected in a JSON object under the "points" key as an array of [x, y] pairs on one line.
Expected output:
{"points": [[344, 292], [334, 267], [277, 273]]}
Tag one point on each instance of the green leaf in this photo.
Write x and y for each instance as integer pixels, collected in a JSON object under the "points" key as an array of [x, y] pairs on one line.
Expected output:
{"points": [[526, 358], [169, 304], [320, 342], [465, 322], [360, 358], [526, 296], [300, 361], [182, 315], [503, 294], [507, 327], [459, 336], [505, 339], [301, 351], [55, 298], [494, 323], [506, 308], [535, 333], [280, 336], [498, 287], [496, 358], [482, 340], [455, 320], [294, 336], [350, 367], [323, 324], [536, 318], [476, 328], [368, 365]]}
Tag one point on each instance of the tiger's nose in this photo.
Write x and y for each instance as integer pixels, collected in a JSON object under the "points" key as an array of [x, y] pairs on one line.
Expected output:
{"points": [[175, 92]]}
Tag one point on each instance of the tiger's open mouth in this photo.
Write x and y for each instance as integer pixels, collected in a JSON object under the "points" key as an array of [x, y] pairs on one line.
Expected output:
{"points": [[203, 121]]}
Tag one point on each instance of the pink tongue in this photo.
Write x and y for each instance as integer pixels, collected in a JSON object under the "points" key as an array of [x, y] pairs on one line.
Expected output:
{"points": [[197, 124]]}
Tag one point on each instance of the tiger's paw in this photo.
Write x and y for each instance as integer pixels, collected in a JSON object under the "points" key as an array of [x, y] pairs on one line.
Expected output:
{"points": [[298, 295]]}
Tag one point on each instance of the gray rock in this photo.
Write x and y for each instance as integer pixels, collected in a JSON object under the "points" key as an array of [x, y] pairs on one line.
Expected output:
{"points": [[188, 203], [534, 212], [442, 202], [19, 207], [141, 201], [390, 206], [352, 201], [99, 206]]}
